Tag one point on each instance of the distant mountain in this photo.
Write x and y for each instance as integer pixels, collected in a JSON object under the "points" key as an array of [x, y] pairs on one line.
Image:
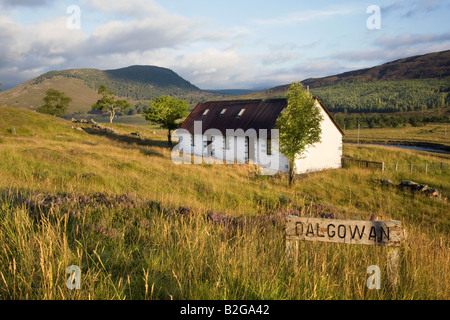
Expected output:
{"points": [[414, 84], [156, 76], [432, 65], [134, 83]]}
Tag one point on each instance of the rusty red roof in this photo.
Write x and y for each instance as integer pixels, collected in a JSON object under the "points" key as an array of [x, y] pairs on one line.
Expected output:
{"points": [[223, 115]]}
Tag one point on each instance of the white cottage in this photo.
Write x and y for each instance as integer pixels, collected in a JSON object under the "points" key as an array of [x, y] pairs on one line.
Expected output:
{"points": [[242, 131]]}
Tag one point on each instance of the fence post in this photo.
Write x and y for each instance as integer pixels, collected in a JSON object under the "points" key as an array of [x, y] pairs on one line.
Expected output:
{"points": [[292, 248], [382, 167], [396, 166], [426, 168], [392, 267]]}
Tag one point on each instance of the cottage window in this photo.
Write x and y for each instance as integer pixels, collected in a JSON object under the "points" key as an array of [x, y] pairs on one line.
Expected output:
{"points": [[206, 112], [241, 113], [223, 111]]}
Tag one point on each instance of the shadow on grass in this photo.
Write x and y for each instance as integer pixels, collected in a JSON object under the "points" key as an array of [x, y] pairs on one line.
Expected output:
{"points": [[123, 138]]}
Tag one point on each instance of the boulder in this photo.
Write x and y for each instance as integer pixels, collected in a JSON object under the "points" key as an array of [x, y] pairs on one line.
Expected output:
{"points": [[386, 182], [422, 188], [137, 134]]}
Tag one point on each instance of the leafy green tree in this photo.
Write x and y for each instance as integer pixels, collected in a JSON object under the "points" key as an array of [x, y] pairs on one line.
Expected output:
{"points": [[55, 103], [109, 103], [166, 111], [299, 125]]}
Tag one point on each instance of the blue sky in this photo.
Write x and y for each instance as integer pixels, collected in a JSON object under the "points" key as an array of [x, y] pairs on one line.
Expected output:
{"points": [[216, 44]]}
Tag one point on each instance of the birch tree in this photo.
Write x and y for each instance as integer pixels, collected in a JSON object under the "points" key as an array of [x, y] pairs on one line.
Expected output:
{"points": [[299, 125]]}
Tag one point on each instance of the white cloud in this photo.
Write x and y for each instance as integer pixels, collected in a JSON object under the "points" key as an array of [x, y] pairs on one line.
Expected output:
{"points": [[208, 53], [411, 39], [380, 55], [297, 17]]}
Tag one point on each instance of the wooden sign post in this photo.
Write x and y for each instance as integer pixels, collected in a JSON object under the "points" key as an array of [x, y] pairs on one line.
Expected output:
{"points": [[375, 233]]}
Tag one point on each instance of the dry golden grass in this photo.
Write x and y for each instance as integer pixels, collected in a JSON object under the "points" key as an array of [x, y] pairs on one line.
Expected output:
{"points": [[110, 204]]}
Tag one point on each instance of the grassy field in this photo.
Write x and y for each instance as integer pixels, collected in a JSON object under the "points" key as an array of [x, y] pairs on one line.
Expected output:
{"points": [[141, 227], [429, 133]]}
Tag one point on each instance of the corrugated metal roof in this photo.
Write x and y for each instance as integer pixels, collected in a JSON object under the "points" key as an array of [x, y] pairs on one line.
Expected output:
{"points": [[259, 114]]}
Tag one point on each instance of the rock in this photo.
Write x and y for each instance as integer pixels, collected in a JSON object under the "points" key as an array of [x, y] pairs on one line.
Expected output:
{"points": [[79, 121], [386, 182], [110, 130], [422, 188], [137, 134], [434, 193], [408, 183], [98, 126]]}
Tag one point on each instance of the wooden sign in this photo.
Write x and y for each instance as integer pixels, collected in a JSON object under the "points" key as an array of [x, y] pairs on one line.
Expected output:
{"points": [[375, 233]]}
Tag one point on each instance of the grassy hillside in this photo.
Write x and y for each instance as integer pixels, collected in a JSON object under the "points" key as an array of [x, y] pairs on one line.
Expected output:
{"points": [[141, 227], [30, 95], [427, 66], [135, 84], [379, 96], [399, 88]]}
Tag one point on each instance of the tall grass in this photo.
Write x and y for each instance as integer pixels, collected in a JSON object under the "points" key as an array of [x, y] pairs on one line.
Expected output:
{"points": [[141, 227], [428, 133], [146, 253]]}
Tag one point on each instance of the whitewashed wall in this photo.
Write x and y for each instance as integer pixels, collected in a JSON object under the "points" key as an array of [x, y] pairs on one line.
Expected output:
{"points": [[324, 155]]}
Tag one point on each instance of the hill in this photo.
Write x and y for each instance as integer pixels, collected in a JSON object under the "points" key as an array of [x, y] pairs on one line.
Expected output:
{"points": [[419, 84], [414, 90], [134, 83], [431, 65]]}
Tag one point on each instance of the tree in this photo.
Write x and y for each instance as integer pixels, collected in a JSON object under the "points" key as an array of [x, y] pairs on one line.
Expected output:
{"points": [[165, 111], [299, 125], [109, 103], [55, 103]]}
